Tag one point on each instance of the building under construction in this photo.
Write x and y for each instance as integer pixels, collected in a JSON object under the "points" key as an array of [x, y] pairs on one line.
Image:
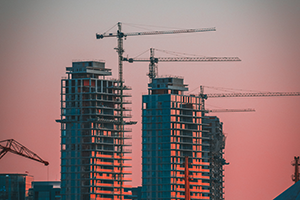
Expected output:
{"points": [[93, 161], [174, 127], [213, 130]]}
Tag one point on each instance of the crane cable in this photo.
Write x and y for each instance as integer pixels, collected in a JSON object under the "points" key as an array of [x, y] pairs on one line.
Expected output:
{"points": [[178, 53], [141, 26], [231, 89], [110, 29]]}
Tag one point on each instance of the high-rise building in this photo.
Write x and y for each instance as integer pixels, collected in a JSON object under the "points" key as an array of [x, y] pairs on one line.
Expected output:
{"points": [[173, 128], [213, 129], [93, 161], [15, 186]]}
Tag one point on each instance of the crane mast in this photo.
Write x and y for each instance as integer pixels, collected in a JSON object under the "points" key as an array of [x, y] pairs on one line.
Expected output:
{"points": [[296, 176], [120, 51], [15, 147]]}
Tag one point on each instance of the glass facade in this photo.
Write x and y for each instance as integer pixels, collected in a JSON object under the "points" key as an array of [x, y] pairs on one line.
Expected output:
{"points": [[173, 129], [93, 161], [15, 186]]}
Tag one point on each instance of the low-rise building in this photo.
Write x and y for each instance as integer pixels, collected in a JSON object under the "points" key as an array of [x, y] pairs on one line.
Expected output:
{"points": [[42, 190], [15, 186]]}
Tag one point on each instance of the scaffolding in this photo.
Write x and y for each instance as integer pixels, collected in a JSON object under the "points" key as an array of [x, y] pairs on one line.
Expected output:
{"points": [[93, 151], [216, 140]]}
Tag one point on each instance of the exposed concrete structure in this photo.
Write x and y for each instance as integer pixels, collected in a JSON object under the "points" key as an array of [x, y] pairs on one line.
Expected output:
{"points": [[174, 127], [92, 134], [216, 142]]}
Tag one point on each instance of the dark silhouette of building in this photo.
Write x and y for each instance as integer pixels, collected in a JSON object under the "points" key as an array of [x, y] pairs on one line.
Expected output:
{"points": [[137, 193], [14, 186], [42, 190]]}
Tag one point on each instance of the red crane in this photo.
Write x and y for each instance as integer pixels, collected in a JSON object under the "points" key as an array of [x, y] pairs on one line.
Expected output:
{"points": [[15, 147]]}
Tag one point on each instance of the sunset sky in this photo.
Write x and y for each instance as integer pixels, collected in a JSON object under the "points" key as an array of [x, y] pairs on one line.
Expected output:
{"points": [[39, 39]]}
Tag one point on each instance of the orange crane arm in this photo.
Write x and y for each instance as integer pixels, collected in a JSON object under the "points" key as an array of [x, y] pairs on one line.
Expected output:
{"points": [[15, 147]]}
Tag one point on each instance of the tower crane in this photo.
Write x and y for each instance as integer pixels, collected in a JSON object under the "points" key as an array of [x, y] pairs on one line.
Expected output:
{"points": [[120, 35], [120, 50], [15, 147], [239, 94], [296, 176], [153, 61]]}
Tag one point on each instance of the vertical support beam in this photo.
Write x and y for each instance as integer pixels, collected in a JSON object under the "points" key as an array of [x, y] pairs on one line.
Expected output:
{"points": [[296, 164], [152, 66], [203, 98], [187, 178]]}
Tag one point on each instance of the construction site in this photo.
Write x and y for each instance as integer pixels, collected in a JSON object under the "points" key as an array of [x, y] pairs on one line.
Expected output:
{"points": [[182, 148], [108, 102]]}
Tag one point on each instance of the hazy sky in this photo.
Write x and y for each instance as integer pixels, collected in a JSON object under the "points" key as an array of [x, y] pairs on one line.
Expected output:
{"points": [[38, 39]]}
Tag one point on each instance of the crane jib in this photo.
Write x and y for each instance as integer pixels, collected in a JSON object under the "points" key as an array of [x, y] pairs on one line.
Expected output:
{"points": [[183, 59], [260, 94], [170, 32], [121, 34]]}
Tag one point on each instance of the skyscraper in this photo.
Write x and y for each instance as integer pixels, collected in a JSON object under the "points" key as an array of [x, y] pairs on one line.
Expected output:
{"points": [[173, 128], [93, 161], [213, 129]]}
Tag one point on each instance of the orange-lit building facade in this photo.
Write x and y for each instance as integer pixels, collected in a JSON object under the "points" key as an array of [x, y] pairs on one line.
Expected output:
{"points": [[93, 151], [173, 128]]}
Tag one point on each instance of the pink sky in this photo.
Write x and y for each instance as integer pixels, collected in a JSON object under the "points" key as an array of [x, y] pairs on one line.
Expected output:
{"points": [[39, 39]]}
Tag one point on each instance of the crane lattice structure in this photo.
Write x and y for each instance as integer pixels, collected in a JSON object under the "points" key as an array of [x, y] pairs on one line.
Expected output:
{"points": [[15, 147], [230, 110], [153, 69], [241, 94], [120, 50]]}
